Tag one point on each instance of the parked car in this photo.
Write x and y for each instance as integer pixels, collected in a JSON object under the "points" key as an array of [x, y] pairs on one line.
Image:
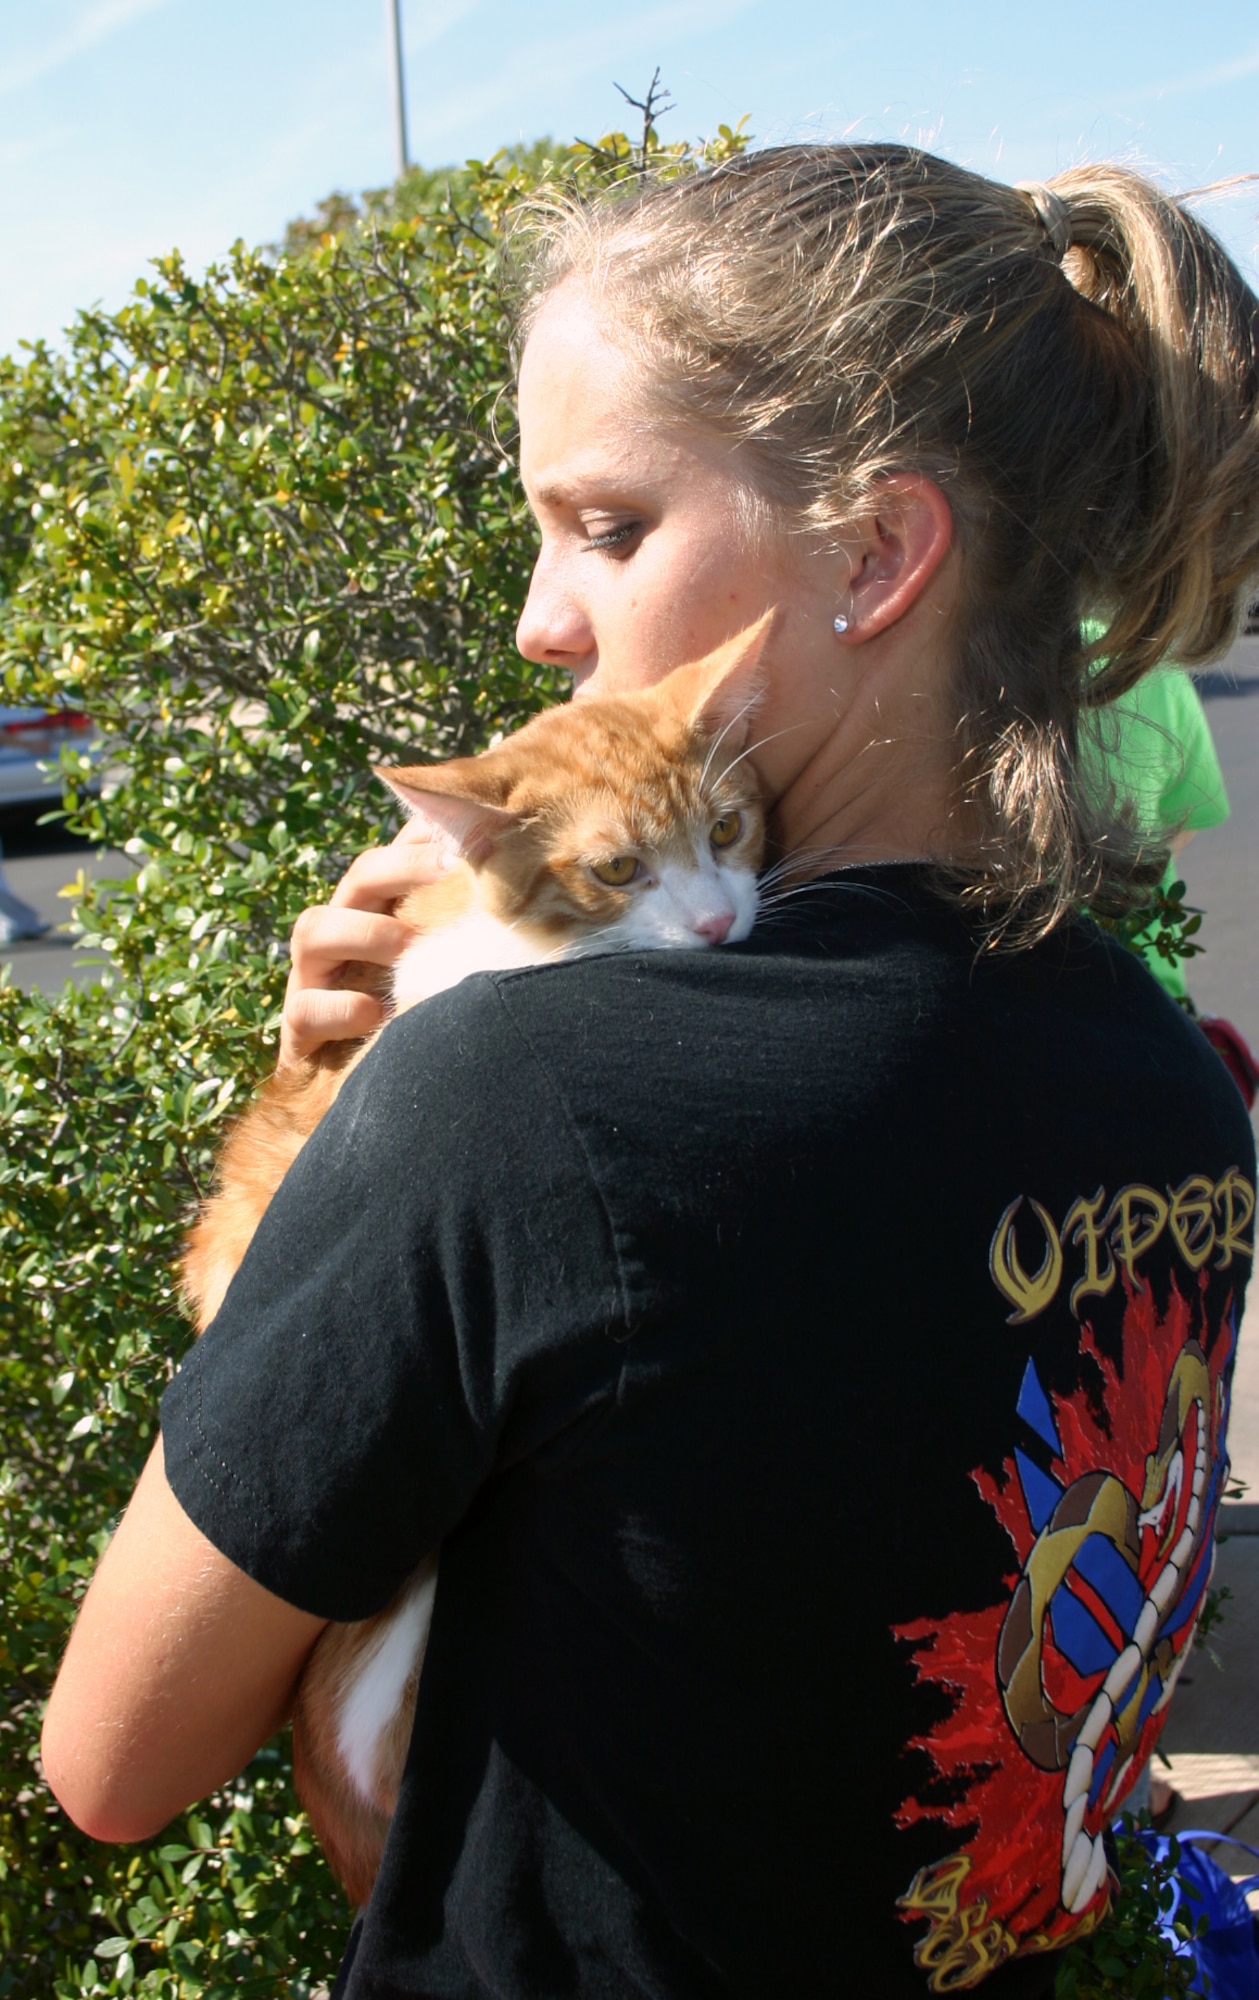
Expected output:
{"points": [[29, 738]]}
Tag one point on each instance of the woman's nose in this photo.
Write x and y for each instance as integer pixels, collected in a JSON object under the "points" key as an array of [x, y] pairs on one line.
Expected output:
{"points": [[553, 628]]}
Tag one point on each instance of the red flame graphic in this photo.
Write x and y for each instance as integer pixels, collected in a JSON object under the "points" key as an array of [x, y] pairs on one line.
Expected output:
{"points": [[1012, 1809]]}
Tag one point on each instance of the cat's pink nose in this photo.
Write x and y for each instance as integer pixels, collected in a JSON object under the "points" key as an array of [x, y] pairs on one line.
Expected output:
{"points": [[714, 929]]}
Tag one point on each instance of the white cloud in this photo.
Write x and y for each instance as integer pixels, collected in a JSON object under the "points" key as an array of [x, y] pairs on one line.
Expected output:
{"points": [[95, 23]]}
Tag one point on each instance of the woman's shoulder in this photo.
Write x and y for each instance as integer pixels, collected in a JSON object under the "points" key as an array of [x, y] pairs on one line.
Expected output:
{"points": [[863, 963]]}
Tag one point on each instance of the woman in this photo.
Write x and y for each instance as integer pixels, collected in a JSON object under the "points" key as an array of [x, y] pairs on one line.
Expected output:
{"points": [[812, 1356]]}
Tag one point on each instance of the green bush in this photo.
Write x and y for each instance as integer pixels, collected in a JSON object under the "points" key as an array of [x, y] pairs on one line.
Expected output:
{"points": [[1128, 1958], [255, 523]]}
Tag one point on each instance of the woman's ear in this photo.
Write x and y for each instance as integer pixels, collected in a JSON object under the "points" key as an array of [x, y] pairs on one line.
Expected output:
{"points": [[895, 548]]}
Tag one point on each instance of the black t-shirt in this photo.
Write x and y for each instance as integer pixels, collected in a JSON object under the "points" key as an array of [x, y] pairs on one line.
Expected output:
{"points": [[812, 1357]]}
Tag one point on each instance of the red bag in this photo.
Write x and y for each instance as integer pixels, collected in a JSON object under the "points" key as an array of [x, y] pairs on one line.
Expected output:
{"points": [[1231, 1047]]}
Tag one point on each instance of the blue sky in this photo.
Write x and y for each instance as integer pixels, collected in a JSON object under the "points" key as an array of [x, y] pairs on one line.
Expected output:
{"points": [[130, 126]]}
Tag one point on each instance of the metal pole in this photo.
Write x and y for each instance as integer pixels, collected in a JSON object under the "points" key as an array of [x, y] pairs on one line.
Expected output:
{"points": [[393, 36]]}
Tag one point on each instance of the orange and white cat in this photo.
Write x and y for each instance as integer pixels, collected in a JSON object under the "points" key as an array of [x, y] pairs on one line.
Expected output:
{"points": [[629, 822]]}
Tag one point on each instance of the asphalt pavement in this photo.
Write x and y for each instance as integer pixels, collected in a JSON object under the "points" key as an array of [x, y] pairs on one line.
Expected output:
{"points": [[1221, 872], [1212, 1733], [1221, 866]]}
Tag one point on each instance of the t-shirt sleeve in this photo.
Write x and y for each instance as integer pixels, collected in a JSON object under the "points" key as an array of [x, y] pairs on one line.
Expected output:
{"points": [[1154, 744], [1195, 796], [433, 1293]]}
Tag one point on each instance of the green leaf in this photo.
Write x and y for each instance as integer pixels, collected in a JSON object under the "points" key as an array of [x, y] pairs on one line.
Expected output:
{"points": [[303, 554]]}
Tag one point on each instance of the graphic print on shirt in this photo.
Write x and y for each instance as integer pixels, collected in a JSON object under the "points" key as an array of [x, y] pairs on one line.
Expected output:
{"points": [[1109, 1500]]}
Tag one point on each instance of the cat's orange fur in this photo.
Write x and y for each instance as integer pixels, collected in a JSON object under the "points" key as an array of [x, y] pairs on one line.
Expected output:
{"points": [[578, 786]]}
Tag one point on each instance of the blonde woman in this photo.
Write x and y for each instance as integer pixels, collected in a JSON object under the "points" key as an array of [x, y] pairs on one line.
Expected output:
{"points": [[812, 1357]]}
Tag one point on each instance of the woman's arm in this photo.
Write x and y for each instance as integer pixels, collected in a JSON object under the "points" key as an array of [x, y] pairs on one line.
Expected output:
{"points": [[179, 1666], [355, 925]]}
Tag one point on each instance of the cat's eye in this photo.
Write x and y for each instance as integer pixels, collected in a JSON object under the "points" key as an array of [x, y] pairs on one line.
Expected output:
{"points": [[617, 873], [726, 830]]}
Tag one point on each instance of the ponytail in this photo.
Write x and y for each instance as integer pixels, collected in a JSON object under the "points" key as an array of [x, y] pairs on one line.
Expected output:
{"points": [[1177, 569]]}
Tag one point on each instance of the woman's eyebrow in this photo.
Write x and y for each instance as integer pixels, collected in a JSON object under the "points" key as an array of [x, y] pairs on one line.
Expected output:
{"points": [[561, 486], [552, 493], [567, 489]]}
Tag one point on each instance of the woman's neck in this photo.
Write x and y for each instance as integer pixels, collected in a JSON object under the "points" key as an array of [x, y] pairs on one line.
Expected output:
{"points": [[869, 774]]}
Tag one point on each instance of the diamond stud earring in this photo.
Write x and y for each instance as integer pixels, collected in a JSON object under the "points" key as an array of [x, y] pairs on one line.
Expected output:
{"points": [[841, 623]]}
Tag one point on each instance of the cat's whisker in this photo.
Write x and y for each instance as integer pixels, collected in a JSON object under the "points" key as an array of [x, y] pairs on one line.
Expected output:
{"points": [[720, 738], [783, 879], [580, 947], [783, 870], [804, 864], [769, 906], [749, 748], [804, 867]]}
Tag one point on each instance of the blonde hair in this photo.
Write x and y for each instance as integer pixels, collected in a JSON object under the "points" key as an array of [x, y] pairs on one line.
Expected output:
{"points": [[843, 313]]}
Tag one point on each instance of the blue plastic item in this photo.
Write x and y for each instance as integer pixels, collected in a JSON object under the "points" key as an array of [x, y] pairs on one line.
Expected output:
{"points": [[1228, 1955]]}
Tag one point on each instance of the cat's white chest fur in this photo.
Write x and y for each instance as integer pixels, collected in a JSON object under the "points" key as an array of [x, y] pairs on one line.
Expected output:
{"points": [[475, 942], [374, 1692]]}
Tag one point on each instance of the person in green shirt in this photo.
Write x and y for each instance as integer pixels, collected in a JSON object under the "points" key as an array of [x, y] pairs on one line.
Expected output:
{"points": [[1154, 746]]}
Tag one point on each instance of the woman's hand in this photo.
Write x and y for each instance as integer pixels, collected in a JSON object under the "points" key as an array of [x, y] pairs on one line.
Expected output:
{"points": [[321, 1004]]}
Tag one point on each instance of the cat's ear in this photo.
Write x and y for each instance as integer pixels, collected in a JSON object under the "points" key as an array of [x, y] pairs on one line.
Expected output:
{"points": [[465, 826], [723, 689]]}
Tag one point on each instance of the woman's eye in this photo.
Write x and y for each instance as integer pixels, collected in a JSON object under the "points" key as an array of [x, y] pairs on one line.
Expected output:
{"points": [[613, 539], [726, 830], [617, 873]]}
